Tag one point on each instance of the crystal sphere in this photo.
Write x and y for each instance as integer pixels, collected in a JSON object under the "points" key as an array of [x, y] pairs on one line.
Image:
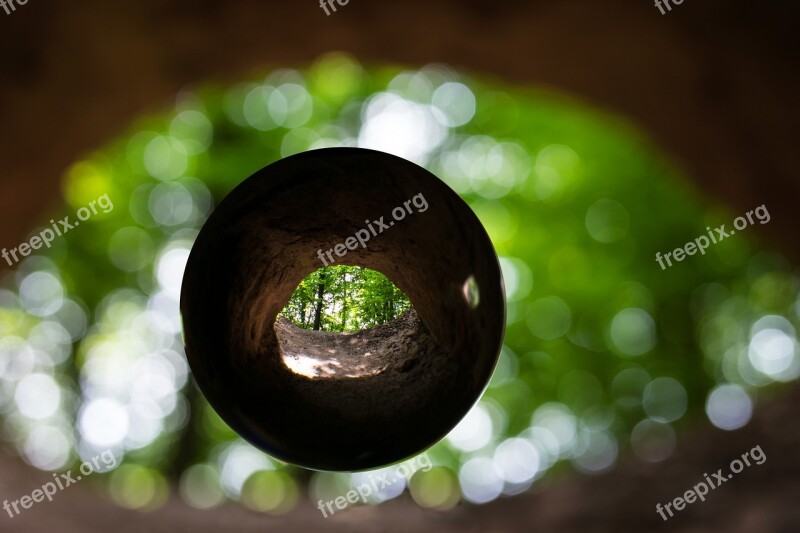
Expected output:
{"points": [[367, 398]]}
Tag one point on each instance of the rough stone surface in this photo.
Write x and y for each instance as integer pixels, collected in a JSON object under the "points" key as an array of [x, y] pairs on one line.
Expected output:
{"points": [[260, 243]]}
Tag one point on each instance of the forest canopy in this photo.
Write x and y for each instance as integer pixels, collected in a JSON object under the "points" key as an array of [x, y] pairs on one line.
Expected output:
{"points": [[345, 298]]}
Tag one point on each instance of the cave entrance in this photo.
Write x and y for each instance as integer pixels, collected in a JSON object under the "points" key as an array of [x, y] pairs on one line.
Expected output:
{"points": [[347, 322]]}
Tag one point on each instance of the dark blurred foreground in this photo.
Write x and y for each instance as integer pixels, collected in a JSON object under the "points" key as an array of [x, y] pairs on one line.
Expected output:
{"points": [[761, 498]]}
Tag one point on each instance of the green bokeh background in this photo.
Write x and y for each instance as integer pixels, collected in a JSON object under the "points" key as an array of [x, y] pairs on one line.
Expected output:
{"points": [[606, 355]]}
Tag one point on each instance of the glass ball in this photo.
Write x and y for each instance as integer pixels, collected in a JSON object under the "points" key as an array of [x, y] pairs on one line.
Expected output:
{"points": [[367, 398]]}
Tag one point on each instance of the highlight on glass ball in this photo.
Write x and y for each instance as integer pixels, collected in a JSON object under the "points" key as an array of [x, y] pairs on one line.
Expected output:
{"points": [[343, 309]]}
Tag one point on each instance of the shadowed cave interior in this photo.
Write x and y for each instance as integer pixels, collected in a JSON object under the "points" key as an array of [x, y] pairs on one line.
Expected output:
{"points": [[424, 370]]}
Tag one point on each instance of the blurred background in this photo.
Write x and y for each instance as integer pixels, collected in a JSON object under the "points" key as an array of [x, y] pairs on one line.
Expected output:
{"points": [[583, 154]]}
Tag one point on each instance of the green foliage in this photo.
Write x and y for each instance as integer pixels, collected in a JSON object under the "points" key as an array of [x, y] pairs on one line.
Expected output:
{"points": [[604, 354], [345, 298]]}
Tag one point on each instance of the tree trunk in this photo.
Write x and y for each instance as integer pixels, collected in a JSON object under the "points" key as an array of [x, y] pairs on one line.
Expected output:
{"points": [[344, 310], [318, 310], [303, 320]]}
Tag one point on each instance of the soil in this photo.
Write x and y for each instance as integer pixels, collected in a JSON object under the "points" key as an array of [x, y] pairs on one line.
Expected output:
{"points": [[401, 360], [394, 346]]}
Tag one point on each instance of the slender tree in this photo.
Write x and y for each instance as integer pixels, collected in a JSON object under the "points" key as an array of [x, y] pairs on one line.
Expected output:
{"points": [[320, 300]]}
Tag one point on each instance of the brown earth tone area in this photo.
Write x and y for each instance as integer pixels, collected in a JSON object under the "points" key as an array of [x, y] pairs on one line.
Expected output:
{"points": [[259, 244], [762, 498], [715, 83], [391, 347]]}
